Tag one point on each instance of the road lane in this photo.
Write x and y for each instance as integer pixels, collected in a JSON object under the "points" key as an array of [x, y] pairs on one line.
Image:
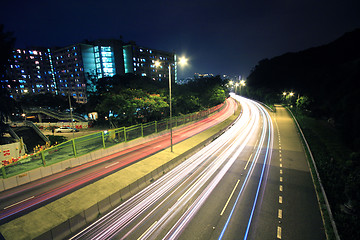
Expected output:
{"points": [[165, 208], [52, 187], [290, 208]]}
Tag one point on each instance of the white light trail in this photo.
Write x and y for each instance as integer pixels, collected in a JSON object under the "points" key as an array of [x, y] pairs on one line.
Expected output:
{"points": [[206, 169]]}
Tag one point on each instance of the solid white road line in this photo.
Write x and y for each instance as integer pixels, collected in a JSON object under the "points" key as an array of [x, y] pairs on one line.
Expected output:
{"points": [[19, 202]]}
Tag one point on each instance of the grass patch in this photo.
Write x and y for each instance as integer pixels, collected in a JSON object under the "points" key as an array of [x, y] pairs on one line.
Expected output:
{"points": [[331, 157], [54, 140]]}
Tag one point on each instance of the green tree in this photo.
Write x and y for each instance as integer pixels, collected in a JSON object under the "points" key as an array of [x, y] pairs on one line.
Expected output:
{"points": [[303, 103], [216, 96]]}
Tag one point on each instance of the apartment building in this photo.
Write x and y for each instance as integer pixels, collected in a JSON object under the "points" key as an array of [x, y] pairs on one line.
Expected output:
{"points": [[30, 71], [73, 70]]}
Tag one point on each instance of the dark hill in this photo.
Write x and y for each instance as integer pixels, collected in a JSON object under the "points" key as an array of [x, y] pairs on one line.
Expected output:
{"points": [[328, 74], [314, 70]]}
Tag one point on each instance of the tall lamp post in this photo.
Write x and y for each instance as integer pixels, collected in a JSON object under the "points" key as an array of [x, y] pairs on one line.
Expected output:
{"points": [[71, 116], [241, 84], [182, 62]]}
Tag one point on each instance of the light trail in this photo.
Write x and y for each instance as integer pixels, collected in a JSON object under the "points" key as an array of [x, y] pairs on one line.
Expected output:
{"points": [[126, 157], [135, 206], [184, 190], [266, 161]]}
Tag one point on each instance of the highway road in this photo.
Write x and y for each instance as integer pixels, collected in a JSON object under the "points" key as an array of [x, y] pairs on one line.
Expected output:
{"points": [[212, 195], [20, 200], [237, 187]]}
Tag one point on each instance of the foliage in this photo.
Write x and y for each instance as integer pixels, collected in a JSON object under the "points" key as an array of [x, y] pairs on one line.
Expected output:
{"points": [[323, 79], [131, 99], [131, 106]]}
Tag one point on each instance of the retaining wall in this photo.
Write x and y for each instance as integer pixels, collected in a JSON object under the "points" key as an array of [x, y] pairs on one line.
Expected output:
{"points": [[88, 216]]}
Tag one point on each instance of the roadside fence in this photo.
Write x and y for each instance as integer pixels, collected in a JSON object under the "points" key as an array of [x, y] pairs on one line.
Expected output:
{"points": [[89, 143]]}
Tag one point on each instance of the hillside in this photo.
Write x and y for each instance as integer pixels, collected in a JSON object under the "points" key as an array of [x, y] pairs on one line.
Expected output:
{"points": [[328, 74]]}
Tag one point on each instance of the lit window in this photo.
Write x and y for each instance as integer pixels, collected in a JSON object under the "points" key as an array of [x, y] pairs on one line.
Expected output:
{"points": [[105, 49]]}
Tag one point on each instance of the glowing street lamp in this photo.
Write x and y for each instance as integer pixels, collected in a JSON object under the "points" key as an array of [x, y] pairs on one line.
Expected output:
{"points": [[182, 62], [287, 96], [241, 84]]}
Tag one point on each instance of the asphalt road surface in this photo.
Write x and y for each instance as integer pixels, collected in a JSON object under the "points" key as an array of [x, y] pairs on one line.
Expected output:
{"points": [[252, 182], [20, 200]]}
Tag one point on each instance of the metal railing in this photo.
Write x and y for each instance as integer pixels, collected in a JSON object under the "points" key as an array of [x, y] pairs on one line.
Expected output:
{"points": [[100, 140]]}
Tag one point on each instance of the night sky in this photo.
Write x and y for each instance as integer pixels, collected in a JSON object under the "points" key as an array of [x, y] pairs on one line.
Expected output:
{"points": [[218, 36]]}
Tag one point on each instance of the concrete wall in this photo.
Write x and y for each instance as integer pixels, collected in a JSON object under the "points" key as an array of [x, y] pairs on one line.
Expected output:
{"points": [[42, 172], [88, 216], [11, 151]]}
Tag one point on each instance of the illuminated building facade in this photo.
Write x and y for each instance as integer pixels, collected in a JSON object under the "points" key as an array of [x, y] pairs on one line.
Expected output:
{"points": [[68, 65], [30, 71], [141, 61], [73, 70]]}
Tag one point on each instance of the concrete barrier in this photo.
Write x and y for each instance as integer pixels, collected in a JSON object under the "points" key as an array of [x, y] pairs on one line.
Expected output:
{"points": [[35, 174], [77, 222], [115, 199], [55, 168], [10, 182], [61, 232], [23, 178], [45, 236], [2, 187], [104, 205], [91, 213], [46, 171], [74, 224]]}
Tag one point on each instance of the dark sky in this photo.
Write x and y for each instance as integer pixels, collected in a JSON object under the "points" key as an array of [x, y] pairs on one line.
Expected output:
{"points": [[218, 36]]}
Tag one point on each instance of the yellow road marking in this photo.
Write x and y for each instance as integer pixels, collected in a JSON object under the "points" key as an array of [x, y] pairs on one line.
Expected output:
{"points": [[147, 230], [227, 202], [248, 162], [280, 199], [279, 232], [279, 213]]}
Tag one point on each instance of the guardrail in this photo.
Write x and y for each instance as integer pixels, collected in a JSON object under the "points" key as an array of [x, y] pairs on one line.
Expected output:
{"points": [[89, 143], [328, 208], [57, 115], [37, 130]]}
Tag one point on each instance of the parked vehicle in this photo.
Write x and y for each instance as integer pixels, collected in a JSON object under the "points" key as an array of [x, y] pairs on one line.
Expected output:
{"points": [[66, 129]]}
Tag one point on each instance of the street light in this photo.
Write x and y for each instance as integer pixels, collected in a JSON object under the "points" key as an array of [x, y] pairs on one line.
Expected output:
{"points": [[242, 84], [183, 61], [287, 96]]}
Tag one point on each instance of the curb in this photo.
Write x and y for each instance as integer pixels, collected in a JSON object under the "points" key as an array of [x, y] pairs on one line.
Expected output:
{"points": [[333, 224]]}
